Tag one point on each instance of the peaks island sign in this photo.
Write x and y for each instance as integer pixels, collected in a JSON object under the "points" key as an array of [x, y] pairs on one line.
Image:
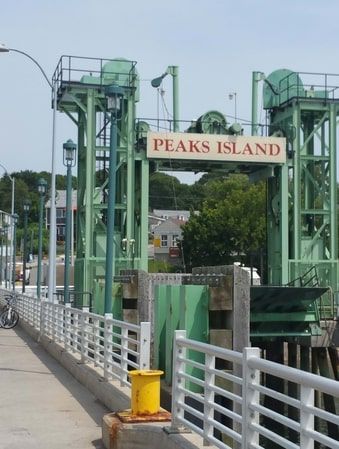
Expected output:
{"points": [[216, 147]]}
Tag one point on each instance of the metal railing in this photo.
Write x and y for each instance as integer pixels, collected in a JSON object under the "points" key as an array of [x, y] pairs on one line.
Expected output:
{"points": [[309, 85], [217, 393], [228, 406], [95, 71], [113, 346]]}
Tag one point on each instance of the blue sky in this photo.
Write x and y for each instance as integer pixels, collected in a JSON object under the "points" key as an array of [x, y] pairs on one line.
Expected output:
{"points": [[216, 44]]}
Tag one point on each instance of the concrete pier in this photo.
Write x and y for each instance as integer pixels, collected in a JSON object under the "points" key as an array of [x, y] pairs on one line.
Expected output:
{"points": [[42, 405]]}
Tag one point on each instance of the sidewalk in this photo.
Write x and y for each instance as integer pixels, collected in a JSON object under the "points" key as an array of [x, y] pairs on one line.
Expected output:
{"points": [[41, 405]]}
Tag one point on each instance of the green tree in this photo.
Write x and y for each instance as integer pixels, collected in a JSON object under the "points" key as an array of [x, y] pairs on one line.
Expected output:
{"points": [[230, 225], [26, 187], [167, 192], [163, 190]]}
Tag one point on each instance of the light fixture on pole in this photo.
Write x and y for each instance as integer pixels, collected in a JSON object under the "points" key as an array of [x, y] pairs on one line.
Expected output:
{"points": [[26, 207], [156, 82], [14, 221], [52, 219], [231, 96], [114, 94], [42, 187], [69, 160]]}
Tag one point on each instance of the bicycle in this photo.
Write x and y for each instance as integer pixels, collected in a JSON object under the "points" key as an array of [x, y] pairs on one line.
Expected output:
{"points": [[9, 317]]}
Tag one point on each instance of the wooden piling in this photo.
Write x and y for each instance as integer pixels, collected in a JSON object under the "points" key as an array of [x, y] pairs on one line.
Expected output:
{"points": [[274, 353], [334, 358], [328, 400]]}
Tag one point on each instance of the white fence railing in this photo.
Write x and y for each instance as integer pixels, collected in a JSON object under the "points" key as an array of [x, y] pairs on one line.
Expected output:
{"points": [[227, 407], [218, 393], [113, 346]]}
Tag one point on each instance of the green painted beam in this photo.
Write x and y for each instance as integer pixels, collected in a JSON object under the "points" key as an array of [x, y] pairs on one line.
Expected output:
{"points": [[308, 317]]}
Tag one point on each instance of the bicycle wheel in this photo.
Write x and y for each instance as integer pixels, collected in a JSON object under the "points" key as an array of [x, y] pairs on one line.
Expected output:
{"points": [[9, 319]]}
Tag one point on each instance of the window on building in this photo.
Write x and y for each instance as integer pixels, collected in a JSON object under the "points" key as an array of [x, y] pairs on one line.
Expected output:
{"points": [[164, 241], [60, 213], [175, 239], [61, 230]]}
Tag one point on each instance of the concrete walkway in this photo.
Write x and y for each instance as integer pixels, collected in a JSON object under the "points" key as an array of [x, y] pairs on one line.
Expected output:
{"points": [[41, 405]]}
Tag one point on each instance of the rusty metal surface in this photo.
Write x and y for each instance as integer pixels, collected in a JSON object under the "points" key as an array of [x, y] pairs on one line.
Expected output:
{"points": [[127, 417]]}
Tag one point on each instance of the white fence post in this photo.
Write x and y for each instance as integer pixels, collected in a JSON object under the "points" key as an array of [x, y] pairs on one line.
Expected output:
{"points": [[42, 318], [145, 345], [108, 327], [83, 332], [76, 333], [54, 321], [67, 326], [48, 318], [178, 367], [208, 398], [306, 418], [124, 356], [97, 348], [61, 324], [24, 317], [250, 397], [47, 311], [37, 305]]}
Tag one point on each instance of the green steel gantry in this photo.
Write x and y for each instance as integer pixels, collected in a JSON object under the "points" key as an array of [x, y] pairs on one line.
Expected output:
{"points": [[81, 95], [302, 194]]}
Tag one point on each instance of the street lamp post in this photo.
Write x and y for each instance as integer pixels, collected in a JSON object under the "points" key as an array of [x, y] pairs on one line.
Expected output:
{"points": [[230, 97], [52, 233], [42, 186], [114, 94], [256, 78], [12, 179], [156, 82], [69, 161], [27, 205], [14, 221]]}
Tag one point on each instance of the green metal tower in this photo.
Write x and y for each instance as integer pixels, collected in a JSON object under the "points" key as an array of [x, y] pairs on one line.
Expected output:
{"points": [[302, 194], [81, 93]]}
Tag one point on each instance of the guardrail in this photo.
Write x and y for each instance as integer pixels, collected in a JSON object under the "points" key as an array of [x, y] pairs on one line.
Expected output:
{"points": [[227, 407], [218, 393], [113, 346]]}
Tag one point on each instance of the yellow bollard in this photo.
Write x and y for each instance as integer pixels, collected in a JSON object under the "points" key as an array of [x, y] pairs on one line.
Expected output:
{"points": [[145, 398]]}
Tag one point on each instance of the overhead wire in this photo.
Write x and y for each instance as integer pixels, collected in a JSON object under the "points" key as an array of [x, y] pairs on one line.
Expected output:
{"points": [[165, 111], [167, 116]]}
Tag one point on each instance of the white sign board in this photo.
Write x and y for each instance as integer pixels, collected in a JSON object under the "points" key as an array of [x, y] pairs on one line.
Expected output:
{"points": [[216, 147]]}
